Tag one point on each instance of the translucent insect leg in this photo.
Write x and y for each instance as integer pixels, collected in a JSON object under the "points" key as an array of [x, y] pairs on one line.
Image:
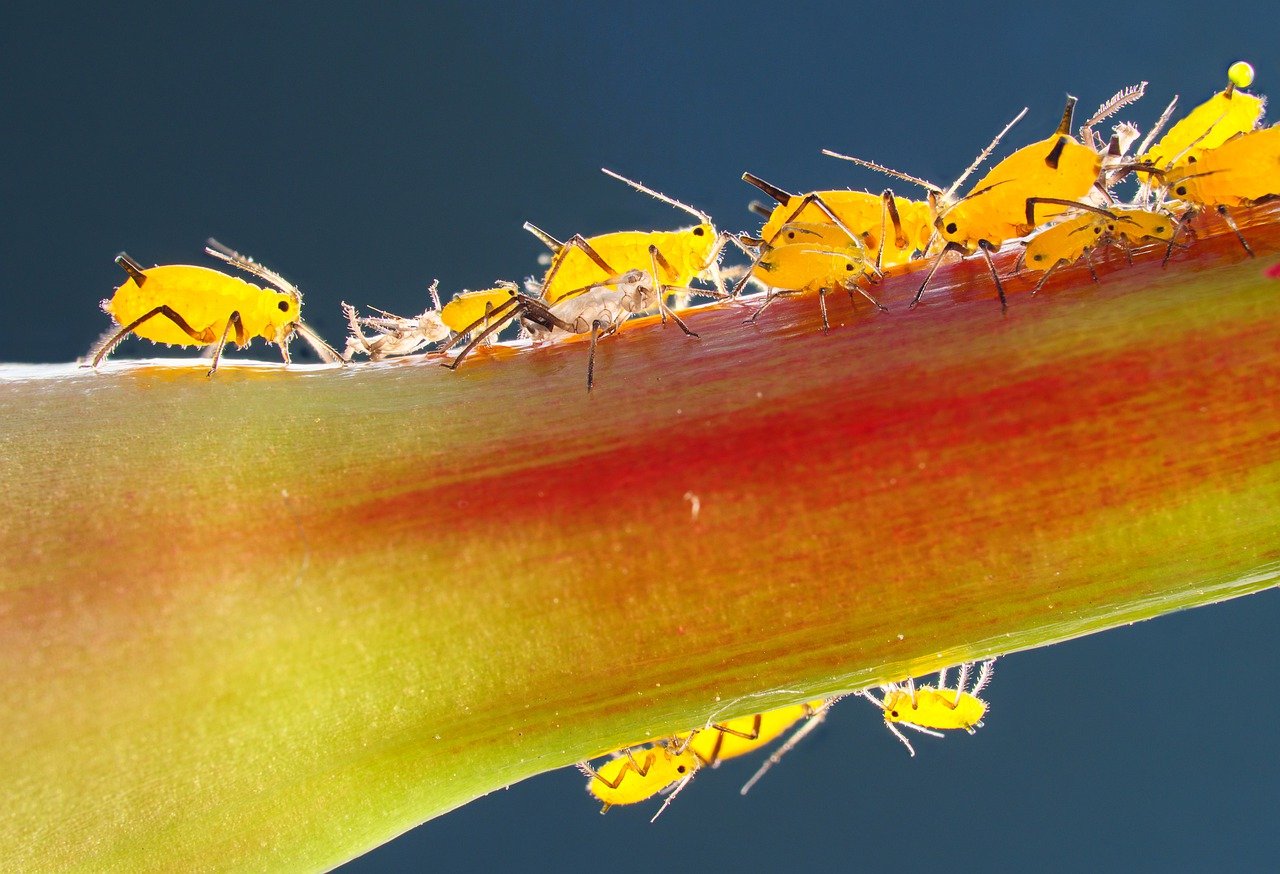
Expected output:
{"points": [[961, 682], [434, 291], [911, 690], [798, 735], [1088, 260], [770, 296], [942, 678], [233, 319], [900, 736], [110, 341], [1058, 201], [822, 307], [986, 670], [1045, 278], [1226, 217], [983, 247]]}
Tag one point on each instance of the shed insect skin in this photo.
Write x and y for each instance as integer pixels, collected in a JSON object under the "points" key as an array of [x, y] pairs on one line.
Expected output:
{"points": [[397, 335], [187, 305]]}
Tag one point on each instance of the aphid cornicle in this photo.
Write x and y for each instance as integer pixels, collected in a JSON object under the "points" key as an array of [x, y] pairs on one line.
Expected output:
{"points": [[932, 710], [186, 305], [674, 258]]}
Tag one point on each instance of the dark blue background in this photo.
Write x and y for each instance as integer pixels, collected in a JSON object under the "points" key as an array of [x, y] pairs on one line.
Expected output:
{"points": [[363, 151]]}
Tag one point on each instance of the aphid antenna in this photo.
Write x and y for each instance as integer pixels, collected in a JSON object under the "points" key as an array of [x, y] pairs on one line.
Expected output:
{"points": [[327, 353], [991, 147], [1158, 126], [888, 171], [674, 792], [1178, 157], [814, 720], [671, 201], [248, 265], [1122, 98]]}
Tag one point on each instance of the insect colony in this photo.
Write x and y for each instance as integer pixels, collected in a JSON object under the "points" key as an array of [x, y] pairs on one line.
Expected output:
{"points": [[1052, 199]]}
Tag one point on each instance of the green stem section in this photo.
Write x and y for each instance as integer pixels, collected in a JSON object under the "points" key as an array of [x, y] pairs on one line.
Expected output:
{"points": [[273, 618]]}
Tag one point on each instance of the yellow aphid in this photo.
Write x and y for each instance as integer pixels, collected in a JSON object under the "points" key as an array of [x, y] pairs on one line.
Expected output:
{"points": [[467, 310], [638, 774], [804, 267], [892, 229], [674, 258], [1240, 172], [746, 734], [185, 305], [932, 710], [1224, 115], [1076, 237]]}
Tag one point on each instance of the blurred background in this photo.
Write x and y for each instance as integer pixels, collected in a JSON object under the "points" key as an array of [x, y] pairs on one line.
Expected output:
{"points": [[364, 150]]}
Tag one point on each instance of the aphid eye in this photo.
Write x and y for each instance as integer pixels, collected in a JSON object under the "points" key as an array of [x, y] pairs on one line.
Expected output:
{"points": [[791, 235], [1099, 230], [951, 227], [1181, 189], [1037, 257], [698, 232], [848, 267], [893, 713], [284, 306], [680, 769], [1160, 230]]}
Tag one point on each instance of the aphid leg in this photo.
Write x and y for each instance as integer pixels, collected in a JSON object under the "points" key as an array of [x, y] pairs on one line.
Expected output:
{"points": [[822, 307], [985, 248], [961, 682], [754, 733], [577, 241], [770, 296], [110, 341], [911, 691], [1045, 278], [509, 307], [434, 291], [1088, 259], [1226, 217], [942, 678], [798, 735], [357, 341], [900, 736], [284, 350], [591, 355], [986, 670], [937, 262], [233, 319], [1184, 221], [655, 258], [817, 201], [1058, 201]]}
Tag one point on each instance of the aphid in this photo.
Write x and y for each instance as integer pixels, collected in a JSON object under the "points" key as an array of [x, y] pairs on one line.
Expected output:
{"points": [[746, 734], [1078, 236], [1240, 172], [186, 305], [1053, 174], [674, 258], [636, 774], [894, 228], [468, 310], [597, 310], [932, 710], [1221, 117], [808, 267]]}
